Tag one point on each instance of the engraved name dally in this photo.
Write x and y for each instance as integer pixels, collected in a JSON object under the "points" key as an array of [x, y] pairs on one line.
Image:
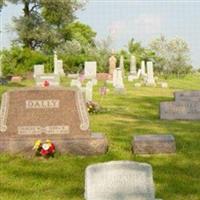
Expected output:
{"points": [[39, 104], [37, 130]]}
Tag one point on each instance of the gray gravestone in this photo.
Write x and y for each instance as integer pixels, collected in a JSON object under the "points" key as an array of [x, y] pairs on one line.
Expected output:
{"points": [[153, 144], [119, 180], [90, 69], [187, 96], [53, 79], [183, 110]]}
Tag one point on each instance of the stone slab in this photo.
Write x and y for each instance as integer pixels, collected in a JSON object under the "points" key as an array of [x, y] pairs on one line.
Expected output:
{"points": [[93, 145], [187, 96], [119, 180], [183, 110], [153, 144], [53, 79], [58, 114]]}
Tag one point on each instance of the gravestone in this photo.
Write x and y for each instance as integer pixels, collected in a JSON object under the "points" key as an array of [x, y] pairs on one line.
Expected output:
{"points": [[55, 59], [143, 71], [76, 83], [118, 80], [121, 64], [133, 65], [89, 91], [187, 96], [90, 70], [150, 75], [119, 180], [153, 144], [112, 64], [1, 74], [53, 79], [60, 68], [183, 110], [38, 70], [58, 114]]}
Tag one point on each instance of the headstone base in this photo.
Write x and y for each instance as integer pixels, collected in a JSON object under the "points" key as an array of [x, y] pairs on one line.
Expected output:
{"points": [[93, 145], [154, 144]]}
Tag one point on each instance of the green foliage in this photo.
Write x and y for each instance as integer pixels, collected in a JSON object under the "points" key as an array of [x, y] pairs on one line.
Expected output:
{"points": [[19, 61], [81, 33], [171, 56]]}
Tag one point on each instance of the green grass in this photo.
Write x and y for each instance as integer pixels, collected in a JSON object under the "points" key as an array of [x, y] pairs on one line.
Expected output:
{"points": [[176, 177]]}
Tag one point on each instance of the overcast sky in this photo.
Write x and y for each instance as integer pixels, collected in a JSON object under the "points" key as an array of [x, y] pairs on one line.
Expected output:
{"points": [[124, 19]]}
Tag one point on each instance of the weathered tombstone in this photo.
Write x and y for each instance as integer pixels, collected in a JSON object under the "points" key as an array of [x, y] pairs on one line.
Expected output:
{"points": [[16, 79], [121, 64], [118, 80], [143, 71], [150, 76], [183, 110], [187, 96], [133, 65], [119, 180], [164, 85], [153, 144], [57, 114], [90, 70], [38, 70], [53, 79], [60, 68], [76, 83], [89, 91], [112, 64], [55, 59]]}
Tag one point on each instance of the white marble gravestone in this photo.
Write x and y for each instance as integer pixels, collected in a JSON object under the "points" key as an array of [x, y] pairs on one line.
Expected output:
{"points": [[133, 65], [89, 91], [76, 83], [90, 69], [118, 79], [150, 75], [38, 70], [55, 59], [60, 68], [121, 64], [119, 180], [143, 66]]}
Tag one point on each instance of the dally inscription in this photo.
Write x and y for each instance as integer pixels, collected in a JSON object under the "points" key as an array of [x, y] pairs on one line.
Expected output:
{"points": [[39, 104]]}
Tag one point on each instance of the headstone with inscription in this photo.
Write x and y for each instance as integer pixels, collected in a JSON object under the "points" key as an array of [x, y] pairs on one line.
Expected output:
{"points": [[185, 107], [150, 75], [58, 114], [119, 180]]}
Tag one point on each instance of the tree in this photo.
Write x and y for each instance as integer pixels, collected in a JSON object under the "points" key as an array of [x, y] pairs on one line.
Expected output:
{"points": [[172, 56], [43, 21], [1, 4]]}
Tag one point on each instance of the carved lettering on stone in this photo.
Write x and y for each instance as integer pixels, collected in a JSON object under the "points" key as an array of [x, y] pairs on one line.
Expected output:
{"points": [[38, 104]]}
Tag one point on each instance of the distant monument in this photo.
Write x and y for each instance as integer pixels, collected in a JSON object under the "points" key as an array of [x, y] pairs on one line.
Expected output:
{"points": [[112, 64], [121, 64]]}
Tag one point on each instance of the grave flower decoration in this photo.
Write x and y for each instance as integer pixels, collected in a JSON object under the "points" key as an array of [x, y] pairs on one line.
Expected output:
{"points": [[46, 149], [92, 107], [46, 83]]}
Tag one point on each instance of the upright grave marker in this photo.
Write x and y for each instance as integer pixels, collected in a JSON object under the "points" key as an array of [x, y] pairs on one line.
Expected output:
{"points": [[117, 180], [57, 114]]}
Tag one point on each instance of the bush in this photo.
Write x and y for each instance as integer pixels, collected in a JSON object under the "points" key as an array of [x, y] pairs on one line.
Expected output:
{"points": [[19, 61]]}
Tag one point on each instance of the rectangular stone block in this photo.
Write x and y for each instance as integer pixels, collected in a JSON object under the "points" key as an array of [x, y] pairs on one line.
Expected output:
{"points": [[183, 110], [187, 96], [154, 144], [119, 180]]}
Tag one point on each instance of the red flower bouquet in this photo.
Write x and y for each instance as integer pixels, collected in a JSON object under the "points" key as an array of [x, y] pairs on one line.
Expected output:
{"points": [[46, 149]]}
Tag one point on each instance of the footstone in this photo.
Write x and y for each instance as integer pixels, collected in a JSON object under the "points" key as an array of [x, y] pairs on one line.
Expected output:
{"points": [[117, 180], [58, 114], [53, 79], [154, 144], [183, 110], [187, 96]]}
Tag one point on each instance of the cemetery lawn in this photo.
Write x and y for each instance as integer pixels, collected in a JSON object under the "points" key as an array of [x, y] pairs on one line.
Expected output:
{"points": [[176, 177]]}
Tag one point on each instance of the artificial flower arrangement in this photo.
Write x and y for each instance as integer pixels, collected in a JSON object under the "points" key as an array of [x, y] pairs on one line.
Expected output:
{"points": [[46, 149], [92, 107]]}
